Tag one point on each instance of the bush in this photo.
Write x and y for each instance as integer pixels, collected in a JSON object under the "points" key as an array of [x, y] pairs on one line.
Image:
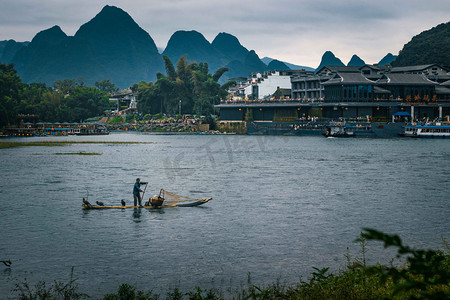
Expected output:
{"points": [[427, 275], [117, 119], [128, 292]]}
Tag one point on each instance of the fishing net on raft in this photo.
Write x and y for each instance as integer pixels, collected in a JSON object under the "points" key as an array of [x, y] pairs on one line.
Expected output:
{"points": [[171, 198]]}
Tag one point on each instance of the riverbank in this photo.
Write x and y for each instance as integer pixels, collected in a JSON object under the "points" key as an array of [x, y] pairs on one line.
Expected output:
{"points": [[426, 275]]}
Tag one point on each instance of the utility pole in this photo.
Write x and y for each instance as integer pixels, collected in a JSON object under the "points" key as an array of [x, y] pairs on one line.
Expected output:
{"points": [[179, 107]]}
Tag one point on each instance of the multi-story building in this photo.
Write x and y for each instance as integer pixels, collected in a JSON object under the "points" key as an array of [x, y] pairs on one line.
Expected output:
{"points": [[264, 85], [369, 91], [125, 101]]}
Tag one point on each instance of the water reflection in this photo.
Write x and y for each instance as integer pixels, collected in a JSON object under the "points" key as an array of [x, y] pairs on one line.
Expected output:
{"points": [[156, 210], [85, 212], [137, 213], [7, 271]]}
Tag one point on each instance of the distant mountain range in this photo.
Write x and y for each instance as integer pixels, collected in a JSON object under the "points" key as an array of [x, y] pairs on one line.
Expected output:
{"points": [[112, 46], [329, 59], [9, 48]]}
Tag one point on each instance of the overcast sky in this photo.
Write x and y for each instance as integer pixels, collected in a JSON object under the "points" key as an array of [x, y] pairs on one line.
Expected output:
{"points": [[295, 31]]}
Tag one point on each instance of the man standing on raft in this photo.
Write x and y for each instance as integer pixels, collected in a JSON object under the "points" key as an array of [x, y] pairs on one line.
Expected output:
{"points": [[137, 190]]}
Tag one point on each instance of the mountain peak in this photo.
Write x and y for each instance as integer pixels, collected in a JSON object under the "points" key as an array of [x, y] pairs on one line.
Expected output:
{"points": [[52, 35], [328, 59], [109, 19], [356, 61], [252, 60], [389, 58], [187, 35], [276, 65], [227, 40], [229, 46], [193, 45]]}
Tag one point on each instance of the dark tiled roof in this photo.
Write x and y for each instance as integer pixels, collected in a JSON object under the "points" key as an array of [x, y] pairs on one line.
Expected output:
{"points": [[400, 78], [340, 69], [446, 83], [349, 78], [410, 68], [376, 67]]}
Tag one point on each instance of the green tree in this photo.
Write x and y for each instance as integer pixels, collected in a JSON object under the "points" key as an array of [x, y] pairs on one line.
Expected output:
{"points": [[106, 86], [85, 102], [189, 85], [148, 97], [66, 86], [10, 86], [169, 68]]}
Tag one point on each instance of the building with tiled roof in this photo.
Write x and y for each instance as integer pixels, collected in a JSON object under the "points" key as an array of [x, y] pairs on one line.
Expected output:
{"points": [[355, 92]]}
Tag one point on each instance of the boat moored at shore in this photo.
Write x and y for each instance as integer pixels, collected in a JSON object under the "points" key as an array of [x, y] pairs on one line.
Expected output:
{"points": [[431, 130], [339, 131]]}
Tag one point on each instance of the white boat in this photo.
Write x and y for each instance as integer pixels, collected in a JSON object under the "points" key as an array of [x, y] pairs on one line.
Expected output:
{"points": [[339, 131], [432, 130]]}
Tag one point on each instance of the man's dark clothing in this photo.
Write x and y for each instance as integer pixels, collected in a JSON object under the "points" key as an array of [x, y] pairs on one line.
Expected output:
{"points": [[136, 193]]}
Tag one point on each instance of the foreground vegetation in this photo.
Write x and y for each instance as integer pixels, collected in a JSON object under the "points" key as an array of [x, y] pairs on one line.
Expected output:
{"points": [[426, 275]]}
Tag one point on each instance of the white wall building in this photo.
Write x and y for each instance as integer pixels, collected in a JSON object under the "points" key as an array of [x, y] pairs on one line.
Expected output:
{"points": [[264, 85]]}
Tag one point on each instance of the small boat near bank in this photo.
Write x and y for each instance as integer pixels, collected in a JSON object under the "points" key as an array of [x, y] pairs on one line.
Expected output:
{"points": [[430, 130], [163, 200], [339, 131]]}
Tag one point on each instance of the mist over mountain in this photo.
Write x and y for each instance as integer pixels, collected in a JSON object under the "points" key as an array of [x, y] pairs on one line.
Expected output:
{"points": [[328, 59], [356, 61], [430, 46]]}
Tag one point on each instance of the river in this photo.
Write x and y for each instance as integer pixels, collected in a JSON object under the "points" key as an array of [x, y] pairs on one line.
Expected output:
{"points": [[281, 206]]}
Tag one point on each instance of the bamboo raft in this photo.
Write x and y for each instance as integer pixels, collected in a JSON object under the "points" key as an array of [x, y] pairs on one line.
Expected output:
{"points": [[164, 199]]}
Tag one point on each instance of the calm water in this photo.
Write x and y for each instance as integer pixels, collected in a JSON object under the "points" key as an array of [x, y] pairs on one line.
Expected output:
{"points": [[281, 205]]}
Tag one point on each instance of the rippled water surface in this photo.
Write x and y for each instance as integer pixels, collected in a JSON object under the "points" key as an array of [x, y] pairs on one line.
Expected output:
{"points": [[281, 205]]}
